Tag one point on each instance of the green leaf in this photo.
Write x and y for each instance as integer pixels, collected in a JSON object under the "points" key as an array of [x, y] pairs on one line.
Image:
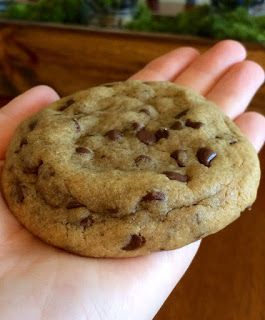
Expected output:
{"points": [[206, 21]]}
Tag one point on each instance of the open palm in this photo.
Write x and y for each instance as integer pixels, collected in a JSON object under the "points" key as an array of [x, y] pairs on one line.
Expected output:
{"points": [[38, 281]]}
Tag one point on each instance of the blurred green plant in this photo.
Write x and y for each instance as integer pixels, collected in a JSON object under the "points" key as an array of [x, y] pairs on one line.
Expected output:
{"points": [[65, 11], [109, 5], [205, 21]]}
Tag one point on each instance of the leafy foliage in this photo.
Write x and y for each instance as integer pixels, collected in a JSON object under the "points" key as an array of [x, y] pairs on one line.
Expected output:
{"points": [[99, 6], [66, 11], [205, 21], [108, 3], [63, 11], [224, 20]]}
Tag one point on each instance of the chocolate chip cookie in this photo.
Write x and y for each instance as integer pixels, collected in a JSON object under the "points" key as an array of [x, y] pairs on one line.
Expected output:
{"points": [[128, 168]]}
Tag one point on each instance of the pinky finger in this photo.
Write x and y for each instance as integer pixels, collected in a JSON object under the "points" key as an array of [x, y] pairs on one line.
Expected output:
{"points": [[252, 124]]}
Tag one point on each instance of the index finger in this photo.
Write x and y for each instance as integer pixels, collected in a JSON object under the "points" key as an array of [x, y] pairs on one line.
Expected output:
{"points": [[19, 109], [167, 66]]}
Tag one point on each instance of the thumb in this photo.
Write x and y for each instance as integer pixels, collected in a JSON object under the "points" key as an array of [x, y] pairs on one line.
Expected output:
{"points": [[19, 109]]}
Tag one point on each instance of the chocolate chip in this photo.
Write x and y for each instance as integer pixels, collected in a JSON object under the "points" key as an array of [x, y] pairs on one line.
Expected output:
{"points": [[161, 134], [193, 124], [178, 125], [73, 204], [32, 170], [136, 126], [67, 104], [233, 142], [181, 114], [17, 192], [146, 111], [136, 242], [146, 136], [33, 125], [82, 150], [205, 156], [142, 158], [180, 156], [87, 222], [176, 176], [77, 125], [154, 195], [23, 142], [114, 134]]}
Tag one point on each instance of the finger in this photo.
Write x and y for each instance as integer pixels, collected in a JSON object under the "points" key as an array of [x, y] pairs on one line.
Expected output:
{"points": [[202, 74], [252, 124], [20, 108], [233, 92], [168, 66]]}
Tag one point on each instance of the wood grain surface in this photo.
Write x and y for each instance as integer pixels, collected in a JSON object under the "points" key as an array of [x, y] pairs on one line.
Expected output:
{"points": [[71, 59], [226, 281]]}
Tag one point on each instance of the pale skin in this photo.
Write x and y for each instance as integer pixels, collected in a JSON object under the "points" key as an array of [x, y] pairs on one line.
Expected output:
{"points": [[40, 282]]}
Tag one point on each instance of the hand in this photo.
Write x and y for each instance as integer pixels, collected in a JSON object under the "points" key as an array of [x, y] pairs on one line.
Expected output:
{"points": [[40, 282]]}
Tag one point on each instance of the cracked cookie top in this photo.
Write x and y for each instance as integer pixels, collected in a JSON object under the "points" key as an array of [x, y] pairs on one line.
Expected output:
{"points": [[128, 168]]}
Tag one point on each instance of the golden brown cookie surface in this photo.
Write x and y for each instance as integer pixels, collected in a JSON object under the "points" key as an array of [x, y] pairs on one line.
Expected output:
{"points": [[129, 168]]}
